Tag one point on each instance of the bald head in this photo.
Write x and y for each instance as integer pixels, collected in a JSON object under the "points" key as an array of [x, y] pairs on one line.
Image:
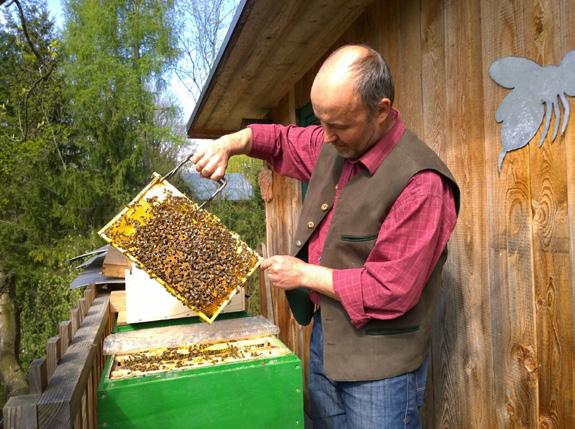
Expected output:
{"points": [[350, 99], [336, 77], [359, 69]]}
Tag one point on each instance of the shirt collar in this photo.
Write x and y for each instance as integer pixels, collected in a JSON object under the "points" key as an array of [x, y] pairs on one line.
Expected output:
{"points": [[375, 155]]}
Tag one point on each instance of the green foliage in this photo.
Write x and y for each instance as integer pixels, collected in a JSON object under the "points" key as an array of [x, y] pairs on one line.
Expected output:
{"points": [[79, 136], [117, 52], [246, 218], [42, 308]]}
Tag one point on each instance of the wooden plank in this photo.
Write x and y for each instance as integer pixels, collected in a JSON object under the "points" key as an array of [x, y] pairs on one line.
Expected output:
{"points": [[53, 354], [84, 409], [74, 321], [115, 263], [118, 301], [466, 383], [65, 335], [88, 297], [118, 305], [389, 42], [61, 402], [147, 300], [20, 412], [38, 375], [78, 421], [551, 254], [410, 71], [92, 289], [567, 26], [90, 401], [266, 307], [96, 373], [82, 305], [95, 322], [509, 232], [434, 93]]}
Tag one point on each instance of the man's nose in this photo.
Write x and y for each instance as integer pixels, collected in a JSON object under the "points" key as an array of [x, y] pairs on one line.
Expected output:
{"points": [[328, 136]]}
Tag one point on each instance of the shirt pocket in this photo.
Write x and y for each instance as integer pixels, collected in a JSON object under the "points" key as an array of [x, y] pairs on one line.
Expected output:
{"points": [[391, 330], [356, 246], [358, 238]]}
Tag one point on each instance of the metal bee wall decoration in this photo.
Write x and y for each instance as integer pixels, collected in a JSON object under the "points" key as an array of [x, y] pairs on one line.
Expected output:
{"points": [[536, 94]]}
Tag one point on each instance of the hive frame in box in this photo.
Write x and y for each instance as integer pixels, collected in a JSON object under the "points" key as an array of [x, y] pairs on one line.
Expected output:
{"points": [[159, 188]]}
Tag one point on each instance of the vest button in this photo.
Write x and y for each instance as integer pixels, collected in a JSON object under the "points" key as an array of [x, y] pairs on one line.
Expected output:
{"points": [[298, 243], [324, 207], [310, 224]]}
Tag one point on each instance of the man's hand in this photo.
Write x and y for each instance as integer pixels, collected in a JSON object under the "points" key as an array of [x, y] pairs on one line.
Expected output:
{"points": [[211, 158], [287, 272]]}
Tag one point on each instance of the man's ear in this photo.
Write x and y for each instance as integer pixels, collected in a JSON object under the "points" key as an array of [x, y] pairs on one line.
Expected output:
{"points": [[383, 110]]}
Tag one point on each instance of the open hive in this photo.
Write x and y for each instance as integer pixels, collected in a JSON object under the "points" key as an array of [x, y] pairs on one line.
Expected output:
{"points": [[186, 249], [194, 356]]}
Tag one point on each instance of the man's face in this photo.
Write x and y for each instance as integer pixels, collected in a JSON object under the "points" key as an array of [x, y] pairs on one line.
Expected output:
{"points": [[347, 123], [351, 128]]}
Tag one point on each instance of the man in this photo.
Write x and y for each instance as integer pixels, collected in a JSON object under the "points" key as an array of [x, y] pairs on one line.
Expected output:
{"points": [[374, 226]]}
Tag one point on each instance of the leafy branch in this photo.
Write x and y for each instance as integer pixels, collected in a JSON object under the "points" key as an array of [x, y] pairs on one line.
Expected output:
{"points": [[45, 68]]}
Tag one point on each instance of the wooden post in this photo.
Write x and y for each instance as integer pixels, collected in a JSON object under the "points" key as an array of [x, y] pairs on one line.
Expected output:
{"points": [[65, 396], [266, 306], [83, 309], [65, 328], [20, 412], [75, 321], [53, 355], [38, 376], [90, 403]]}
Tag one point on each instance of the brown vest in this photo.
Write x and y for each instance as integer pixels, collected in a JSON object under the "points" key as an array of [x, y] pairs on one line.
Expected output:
{"points": [[380, 349]]}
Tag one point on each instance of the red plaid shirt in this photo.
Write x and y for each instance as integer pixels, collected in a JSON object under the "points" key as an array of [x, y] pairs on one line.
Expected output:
{"points": [[412, 236]]}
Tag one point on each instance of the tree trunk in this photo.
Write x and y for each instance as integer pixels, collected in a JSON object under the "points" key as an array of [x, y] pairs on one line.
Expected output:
{"points": [[11, 373]]}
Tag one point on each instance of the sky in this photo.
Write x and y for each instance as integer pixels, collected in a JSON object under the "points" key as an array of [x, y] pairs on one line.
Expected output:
{"points": [[178, 91]]}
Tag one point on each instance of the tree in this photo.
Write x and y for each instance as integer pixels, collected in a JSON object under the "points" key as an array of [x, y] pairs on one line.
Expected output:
{"points": [[118, 51], [78, 137], [205, 24], [28, 147]]}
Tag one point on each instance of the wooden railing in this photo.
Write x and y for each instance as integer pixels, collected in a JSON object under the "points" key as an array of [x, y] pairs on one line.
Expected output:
{"points": [[63, 384]]}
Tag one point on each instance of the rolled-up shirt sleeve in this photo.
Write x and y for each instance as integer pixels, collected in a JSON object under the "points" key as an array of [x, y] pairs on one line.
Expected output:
{"points": [[410, 242], [291, 151]]}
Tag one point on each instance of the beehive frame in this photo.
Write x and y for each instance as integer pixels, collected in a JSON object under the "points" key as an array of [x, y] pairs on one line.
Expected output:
{"points": [[136, 210]]}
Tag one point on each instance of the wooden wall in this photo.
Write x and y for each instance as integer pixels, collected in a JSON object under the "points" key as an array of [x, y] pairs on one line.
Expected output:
{"points": [[503, 345]]}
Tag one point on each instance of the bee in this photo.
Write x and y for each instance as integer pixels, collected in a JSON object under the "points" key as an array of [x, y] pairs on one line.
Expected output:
{"points": [[536, 92]]}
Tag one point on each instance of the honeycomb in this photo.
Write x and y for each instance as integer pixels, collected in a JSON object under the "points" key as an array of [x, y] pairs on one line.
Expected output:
{"points": [[198, 355], [186, 249]]}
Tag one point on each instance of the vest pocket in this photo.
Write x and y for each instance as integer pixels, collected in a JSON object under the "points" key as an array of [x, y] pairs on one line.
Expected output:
{"points": [[358, 238], [391, 331]]}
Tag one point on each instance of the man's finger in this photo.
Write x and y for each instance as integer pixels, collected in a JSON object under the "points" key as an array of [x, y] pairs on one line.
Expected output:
{"points": [[265, 264]]}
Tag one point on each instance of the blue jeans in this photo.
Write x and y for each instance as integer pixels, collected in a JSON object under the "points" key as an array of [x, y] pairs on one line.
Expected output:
{"points": [[389, 403]]}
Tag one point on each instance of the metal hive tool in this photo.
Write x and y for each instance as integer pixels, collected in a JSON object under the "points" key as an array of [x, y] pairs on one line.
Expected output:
{"points": [[185, 248]]}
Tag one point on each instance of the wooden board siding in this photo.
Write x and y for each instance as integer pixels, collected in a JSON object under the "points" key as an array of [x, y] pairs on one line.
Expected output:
{"points": [[508, 220], [550, 236], [282, 213], [503, 345]]}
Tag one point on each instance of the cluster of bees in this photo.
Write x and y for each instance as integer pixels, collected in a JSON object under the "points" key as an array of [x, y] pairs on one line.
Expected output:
{"points": [[189, 249], [192, 356]]}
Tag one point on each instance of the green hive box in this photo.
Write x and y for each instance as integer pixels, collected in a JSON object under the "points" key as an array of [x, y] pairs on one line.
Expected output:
{"points": [[260, 393]]}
